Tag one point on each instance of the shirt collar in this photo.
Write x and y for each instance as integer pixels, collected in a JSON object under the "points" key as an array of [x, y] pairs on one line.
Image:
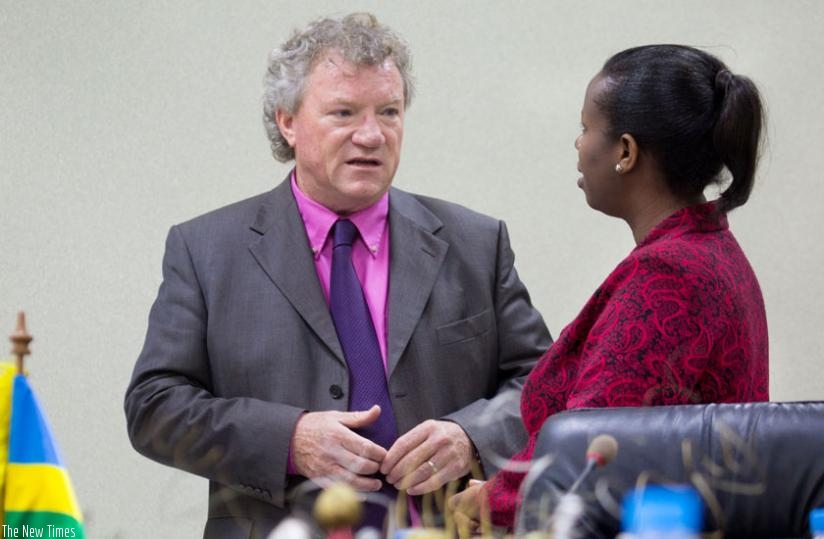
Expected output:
{"points": [[318, 220]]}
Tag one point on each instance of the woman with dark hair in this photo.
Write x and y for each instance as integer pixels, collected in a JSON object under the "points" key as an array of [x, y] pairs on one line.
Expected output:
{"points": [[681, 319]]}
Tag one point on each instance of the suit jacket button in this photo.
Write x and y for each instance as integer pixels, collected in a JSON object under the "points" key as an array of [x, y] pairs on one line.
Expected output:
{"points": [[336, 391]]}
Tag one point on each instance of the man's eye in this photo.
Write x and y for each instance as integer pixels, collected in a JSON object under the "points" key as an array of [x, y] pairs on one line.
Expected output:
{"points": [[392, 111], [342, 113]]}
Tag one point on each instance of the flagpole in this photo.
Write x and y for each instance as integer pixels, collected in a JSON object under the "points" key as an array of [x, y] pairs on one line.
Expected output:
{"points": [[20, 340]]}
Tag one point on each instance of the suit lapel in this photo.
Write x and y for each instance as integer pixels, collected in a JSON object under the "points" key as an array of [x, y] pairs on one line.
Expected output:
{"points": [[282, 252], [415, 261]]}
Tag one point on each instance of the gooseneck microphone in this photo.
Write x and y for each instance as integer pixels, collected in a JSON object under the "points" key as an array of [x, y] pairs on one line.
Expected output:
{"points": [[564, 520], [601, 451], [534, 515]]}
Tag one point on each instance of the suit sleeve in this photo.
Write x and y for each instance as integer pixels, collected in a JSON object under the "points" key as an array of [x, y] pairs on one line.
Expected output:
{"points": [[172, 414], [494, 425]]}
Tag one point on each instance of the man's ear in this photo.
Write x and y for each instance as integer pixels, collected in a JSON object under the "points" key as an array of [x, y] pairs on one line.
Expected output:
{"points": [[285, 123], [629, 152]]}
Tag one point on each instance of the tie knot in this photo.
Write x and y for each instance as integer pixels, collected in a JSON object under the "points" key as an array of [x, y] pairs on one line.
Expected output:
{"points": [[344, 233]]}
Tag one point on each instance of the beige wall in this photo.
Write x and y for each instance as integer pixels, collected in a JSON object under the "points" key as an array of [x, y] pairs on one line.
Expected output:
{"points": [[118, 119]]}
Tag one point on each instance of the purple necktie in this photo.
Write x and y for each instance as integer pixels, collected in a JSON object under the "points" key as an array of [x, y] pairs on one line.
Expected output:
{"points": [[356, 333]]}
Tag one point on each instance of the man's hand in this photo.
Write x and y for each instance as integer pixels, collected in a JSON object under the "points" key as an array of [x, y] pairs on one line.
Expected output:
{"points": [[325, 449], [428, 456]]}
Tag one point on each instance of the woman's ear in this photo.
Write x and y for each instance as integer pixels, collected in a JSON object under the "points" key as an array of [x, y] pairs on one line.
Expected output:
{"points": [[629, 153]]}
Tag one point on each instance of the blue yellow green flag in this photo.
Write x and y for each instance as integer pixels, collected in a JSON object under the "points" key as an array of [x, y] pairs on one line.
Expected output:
{"points": [[38, 499]]}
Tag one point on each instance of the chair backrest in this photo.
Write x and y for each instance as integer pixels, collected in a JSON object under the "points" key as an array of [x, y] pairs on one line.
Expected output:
{"points": [[758, 466]]}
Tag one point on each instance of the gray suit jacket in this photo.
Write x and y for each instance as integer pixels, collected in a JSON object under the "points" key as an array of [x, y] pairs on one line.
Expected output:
{"points": [[240, 342]]}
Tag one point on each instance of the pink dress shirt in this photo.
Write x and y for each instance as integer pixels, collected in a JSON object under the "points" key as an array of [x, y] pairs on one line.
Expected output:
{"points": [[370, 256], [370, 253]]}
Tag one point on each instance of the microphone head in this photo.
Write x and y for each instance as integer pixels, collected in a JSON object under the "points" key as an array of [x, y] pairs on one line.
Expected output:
{"points": [[602, 449]]}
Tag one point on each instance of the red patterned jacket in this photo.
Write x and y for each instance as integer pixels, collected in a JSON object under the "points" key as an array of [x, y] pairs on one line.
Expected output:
{"points": [[681, 320]]}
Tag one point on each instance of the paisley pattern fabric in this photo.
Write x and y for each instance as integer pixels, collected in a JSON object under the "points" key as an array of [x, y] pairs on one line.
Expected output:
{"points": [[681, 320]]}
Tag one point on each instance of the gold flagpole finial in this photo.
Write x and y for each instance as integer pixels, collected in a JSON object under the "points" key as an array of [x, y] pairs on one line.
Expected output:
{"points": [[20, 340]]}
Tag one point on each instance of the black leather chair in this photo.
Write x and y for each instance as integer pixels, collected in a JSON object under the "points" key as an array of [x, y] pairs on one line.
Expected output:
{"points": [[759, 467]]}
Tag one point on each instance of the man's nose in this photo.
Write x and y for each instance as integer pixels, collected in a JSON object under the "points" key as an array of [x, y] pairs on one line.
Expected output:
{"points": [[577, 141], [368, 133]]}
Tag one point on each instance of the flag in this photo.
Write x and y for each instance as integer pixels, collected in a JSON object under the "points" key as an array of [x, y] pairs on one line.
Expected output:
{"points": [[38, 499]]}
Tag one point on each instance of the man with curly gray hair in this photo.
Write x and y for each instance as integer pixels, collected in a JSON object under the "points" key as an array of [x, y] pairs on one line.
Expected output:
{"points": [[359, 38], [334, 329]]}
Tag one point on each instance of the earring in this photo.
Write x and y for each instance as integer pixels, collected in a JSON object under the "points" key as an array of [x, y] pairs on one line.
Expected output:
{"points": [[619, 169]]}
